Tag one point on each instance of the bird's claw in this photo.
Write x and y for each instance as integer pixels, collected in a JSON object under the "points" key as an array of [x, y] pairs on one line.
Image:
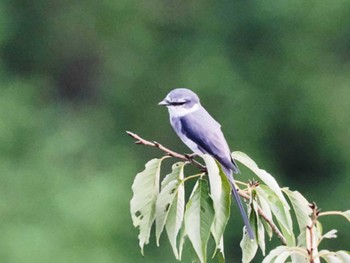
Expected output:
{"points": [[191, 156]]}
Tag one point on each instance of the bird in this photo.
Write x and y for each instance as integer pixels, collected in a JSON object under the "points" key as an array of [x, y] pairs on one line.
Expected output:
{"points": [[202, 134]]}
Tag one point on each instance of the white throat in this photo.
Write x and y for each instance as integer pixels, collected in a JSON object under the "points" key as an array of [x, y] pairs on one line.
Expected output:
{"points": [[179, 111]]}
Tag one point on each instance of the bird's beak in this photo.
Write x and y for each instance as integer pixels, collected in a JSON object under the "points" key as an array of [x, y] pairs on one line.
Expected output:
{"points": [[163, 103]]}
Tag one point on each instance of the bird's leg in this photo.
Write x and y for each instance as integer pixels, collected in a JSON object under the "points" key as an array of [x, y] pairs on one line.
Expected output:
{"points": [[191, 156]]}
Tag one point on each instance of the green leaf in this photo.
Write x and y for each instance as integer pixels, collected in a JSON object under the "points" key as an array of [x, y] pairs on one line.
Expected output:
{"points": [[280, 254], [166, 199], [302, 212], [260, 231], [300, 258], [163, 205], [281, 258], [301, 208], [220, 192], [175, 216], [143, 203], [176, 169], [182, 239], [264, 206], [262, 174], [249, 247], [199, 217], [344, 255], [331, 257], [330, 234], [220, 256], [319, 229], [280, 211], [274, 253]]}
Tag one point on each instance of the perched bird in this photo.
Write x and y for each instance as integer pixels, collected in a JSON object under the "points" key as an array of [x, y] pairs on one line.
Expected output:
{"points": [[203, 135]]}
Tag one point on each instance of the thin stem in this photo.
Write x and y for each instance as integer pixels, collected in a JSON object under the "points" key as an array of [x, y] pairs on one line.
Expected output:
{"points": [[268, 220], [192, 176], [311, 241], [273, 226], [331, 213], [240, 182], [169, 152]]}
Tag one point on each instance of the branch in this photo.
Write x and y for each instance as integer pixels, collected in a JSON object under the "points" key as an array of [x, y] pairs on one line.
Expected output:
{"points": [[311, 245], [268, 221], [186, 158], [167, 151], [273, 226]]}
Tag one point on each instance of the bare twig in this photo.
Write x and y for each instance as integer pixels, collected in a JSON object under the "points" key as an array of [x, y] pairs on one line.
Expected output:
{"points": [[311, 246], [268, 220], [169, 152], [186, 158], [273, 226]]}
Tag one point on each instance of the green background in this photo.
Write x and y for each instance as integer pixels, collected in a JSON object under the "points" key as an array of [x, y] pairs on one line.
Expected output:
{"points": [[75, 75]]}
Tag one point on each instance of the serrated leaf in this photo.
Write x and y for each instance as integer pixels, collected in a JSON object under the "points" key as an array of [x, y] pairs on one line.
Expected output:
{"points": [[249, 246], [220, 192], [167, 199], [280, 212], [199, 217], [143, 203], [301, 208], [262, 174]]}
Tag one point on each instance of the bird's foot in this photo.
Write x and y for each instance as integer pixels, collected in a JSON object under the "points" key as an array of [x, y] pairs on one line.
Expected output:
{"points": [[191, 156]]}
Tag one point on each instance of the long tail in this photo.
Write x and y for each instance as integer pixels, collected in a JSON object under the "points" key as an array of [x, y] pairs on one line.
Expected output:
{"points": [[239, 203], [243, 213]]}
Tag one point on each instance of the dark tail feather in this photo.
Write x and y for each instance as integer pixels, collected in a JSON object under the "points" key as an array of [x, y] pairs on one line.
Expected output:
{"points": [[243, 213], [228, 172]]}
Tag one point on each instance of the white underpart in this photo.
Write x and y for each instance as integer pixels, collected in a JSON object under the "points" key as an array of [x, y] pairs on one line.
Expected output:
{"points": [[179, 111]]}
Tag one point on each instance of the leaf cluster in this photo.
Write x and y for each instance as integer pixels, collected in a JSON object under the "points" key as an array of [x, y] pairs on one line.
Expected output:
{"points": [[205, 214]]}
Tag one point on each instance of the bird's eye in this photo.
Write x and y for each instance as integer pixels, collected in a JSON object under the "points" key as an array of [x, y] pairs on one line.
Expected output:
{"points": [[178, 103]]}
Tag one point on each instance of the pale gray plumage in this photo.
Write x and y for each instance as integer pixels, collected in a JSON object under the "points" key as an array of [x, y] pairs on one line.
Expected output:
{"points": [[202, 134]]}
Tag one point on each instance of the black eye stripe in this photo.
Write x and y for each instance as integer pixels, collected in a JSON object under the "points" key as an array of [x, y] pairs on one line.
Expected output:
{"points": [[177, 103]]}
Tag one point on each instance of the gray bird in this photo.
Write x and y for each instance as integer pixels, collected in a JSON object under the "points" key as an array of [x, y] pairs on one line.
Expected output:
{"points": [[203, 135]]}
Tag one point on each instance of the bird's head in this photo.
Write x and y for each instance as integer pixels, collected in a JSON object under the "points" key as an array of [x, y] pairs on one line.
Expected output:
{"points": [[181, 102]]}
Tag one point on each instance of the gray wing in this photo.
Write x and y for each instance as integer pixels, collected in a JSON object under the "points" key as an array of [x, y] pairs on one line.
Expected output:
{"points": [[202, 129]]}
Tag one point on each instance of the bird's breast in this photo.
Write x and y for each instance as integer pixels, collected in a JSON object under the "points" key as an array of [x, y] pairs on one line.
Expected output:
{"points": [[176, 124]]}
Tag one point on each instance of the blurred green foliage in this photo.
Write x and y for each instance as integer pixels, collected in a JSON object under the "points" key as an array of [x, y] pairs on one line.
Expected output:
{"points": [[75, 75]]}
